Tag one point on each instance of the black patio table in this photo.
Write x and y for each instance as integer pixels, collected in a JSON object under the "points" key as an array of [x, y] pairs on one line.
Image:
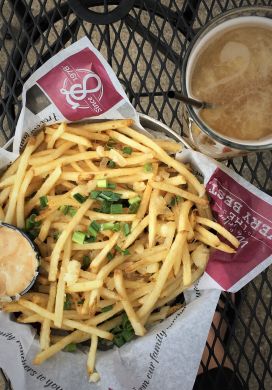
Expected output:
{"points": [[144, 41]]}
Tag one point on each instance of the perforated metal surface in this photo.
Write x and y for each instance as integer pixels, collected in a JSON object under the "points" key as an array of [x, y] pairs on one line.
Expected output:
{"points": [[145, 49]]}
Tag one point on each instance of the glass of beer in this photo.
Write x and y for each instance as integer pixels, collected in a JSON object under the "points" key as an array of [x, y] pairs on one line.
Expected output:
{"points": [[229, 65]]}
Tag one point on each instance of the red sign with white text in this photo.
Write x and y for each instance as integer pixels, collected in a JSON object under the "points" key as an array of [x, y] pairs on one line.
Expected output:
{"points": [[249, 218], [80, 86]]}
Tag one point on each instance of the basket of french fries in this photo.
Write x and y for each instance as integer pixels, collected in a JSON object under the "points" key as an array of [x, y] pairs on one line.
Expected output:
{"points": [[135, 236], [123, 228]]}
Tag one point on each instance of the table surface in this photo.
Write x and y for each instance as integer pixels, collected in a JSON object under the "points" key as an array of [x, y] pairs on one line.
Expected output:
{"points": [[145, 49]]}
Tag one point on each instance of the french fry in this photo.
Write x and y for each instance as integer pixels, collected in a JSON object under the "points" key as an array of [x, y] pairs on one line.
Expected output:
{"points": [[63, 237], [163, 274], [120, 288], [220, 229], [136, 232], [91, 355], [178, 191], [100, 258], [85, 286], [186, 262], [56, 134], [45, 328], [164, 157], [44, 190], [76, 139], [31, 146], [60, 293], [153, 212]]}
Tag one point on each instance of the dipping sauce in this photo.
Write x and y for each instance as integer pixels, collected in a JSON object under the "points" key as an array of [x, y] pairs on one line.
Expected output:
{"points": [[234, 71], [18, 262]]}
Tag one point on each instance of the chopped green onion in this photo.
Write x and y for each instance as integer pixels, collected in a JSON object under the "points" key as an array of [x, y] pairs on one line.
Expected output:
{"points": [[107, 226], [96, 225], [94, 194], [43, 201], [72, 211], [174, 200], [106, 308], [89, 239], [94, 228], [31, 222], [148, 167], [117, 227], [128, 334], [105, 195], [133, 208], [70, 347], [127, 150], [111, 142], [64, 209], [92, 231], [110, 256], [111, 164], [86, 262], [80, 198], [118, 340], [136, 199], [116, 208], [124, 252], [111, 185], [78, 237], [126, 229], [102, 183], [67, 303], [105, 208]]}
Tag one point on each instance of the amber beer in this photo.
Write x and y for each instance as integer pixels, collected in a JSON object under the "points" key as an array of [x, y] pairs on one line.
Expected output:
{"points": [[231, 67]]}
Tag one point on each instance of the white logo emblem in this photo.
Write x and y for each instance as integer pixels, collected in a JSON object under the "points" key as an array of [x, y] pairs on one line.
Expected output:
{"points": [[78, 92]]}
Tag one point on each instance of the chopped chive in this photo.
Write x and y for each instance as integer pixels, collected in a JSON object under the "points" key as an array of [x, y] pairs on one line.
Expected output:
{"points": [[31, 222], [118, 340], [117, 227], [136, 199], [106, 308], [80, 198], [116, 208], [148, 167], [43, 201], [89, 239], [111, 185], [174, 200], [72, 211], [107, 226], [111, 164], [92, 231], [102, 183], [94, 228], [85, 262], [128, 334], [127, 150], [64, 209], [68, 302], [110, 256], [133, 208], [78, 237], [94, 194], [126, 229], [70, 347], [109, 196], [124, 252]]}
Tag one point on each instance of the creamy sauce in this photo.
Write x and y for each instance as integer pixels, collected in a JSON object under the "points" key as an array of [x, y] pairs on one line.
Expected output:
{"points": [[235, 72], [18, 262]]}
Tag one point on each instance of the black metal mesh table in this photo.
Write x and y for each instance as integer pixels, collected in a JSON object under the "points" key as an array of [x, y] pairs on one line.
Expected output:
{"points": [[144, 42]]}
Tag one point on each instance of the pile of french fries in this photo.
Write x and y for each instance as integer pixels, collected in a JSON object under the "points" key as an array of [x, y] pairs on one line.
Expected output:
{"points": [[122, 227]]}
